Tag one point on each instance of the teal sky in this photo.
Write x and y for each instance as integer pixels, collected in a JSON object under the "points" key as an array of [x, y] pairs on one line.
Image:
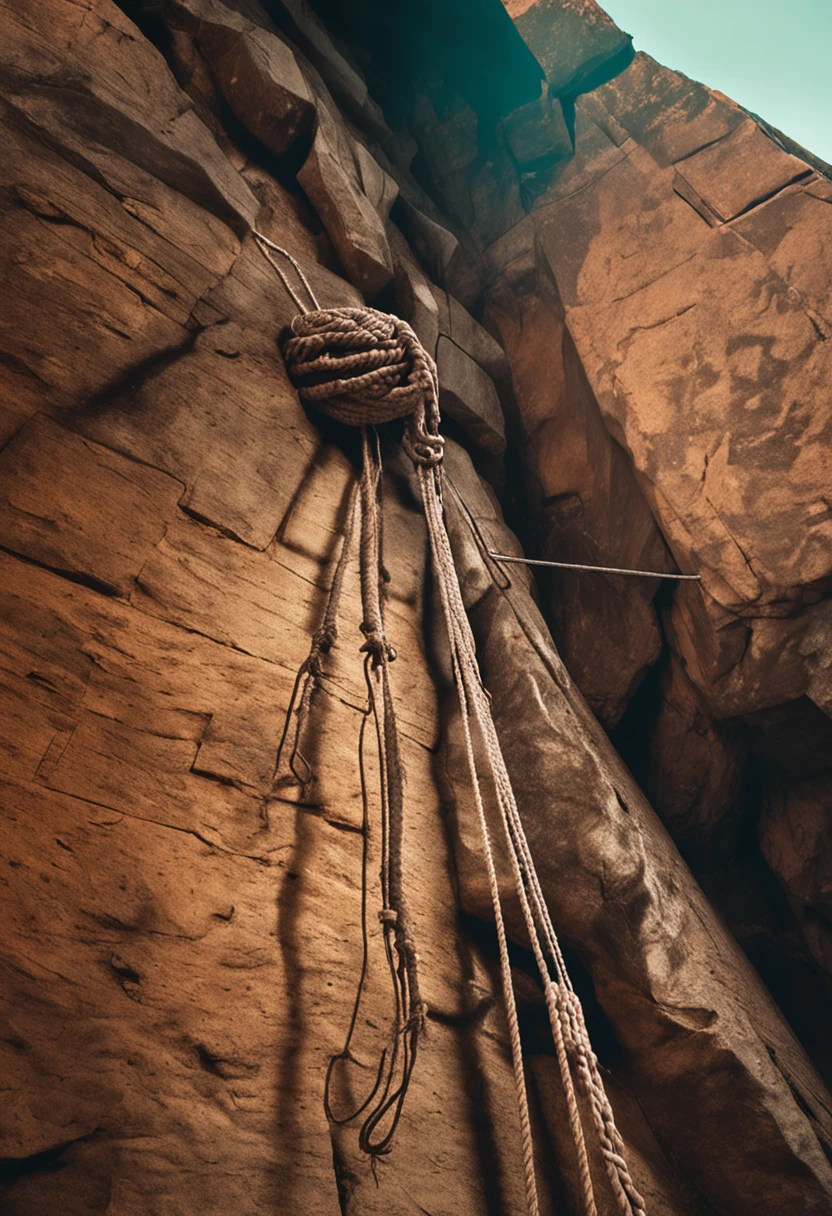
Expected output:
{"points": [[772, 56]]}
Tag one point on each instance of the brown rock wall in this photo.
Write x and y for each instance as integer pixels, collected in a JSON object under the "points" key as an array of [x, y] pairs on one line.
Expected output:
{"points": [[182, 931]]}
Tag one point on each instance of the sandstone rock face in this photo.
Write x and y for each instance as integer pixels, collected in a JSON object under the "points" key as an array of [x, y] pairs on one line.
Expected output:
{"points": [[629, 320]]}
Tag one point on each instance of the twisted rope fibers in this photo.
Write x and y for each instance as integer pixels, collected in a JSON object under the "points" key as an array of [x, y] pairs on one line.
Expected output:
{"points": [[363, 367]]}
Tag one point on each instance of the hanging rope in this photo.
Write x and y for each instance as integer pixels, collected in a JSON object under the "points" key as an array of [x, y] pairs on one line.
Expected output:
{"points": [[363, 367]]}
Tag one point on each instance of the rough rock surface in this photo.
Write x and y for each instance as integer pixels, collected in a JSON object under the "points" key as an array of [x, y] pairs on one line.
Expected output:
{"points": [[647, 368], [573, 40]]}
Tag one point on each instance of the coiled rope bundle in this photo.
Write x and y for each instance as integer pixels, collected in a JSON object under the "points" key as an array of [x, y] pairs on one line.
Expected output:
{"points": [[363, 367]]}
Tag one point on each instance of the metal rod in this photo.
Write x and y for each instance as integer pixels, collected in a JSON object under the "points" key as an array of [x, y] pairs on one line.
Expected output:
{"points": [[530, 561]]}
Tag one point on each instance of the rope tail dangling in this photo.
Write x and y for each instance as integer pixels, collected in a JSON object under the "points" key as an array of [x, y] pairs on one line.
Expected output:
{"points": [[363, 368]]}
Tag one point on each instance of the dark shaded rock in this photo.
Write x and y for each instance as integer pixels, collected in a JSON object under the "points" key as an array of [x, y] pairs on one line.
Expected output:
{"points": [[467, 394], [796, 736], [446, 261], [795, 835], [476, 341], [581, 486], [537, 132], [695, 772], [342, 79], [416, 296], [257, 73], [333, 180]]}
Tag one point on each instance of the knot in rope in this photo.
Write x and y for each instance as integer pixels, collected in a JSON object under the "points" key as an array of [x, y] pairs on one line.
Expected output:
{"points": [[363, 367]]}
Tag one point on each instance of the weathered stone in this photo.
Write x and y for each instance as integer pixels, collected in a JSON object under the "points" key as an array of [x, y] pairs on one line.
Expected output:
{"points": [[650, 1170], [596, 154], [263, 85], [740, 171], [416, 297], [146, 754], [741, 664], [447, 263], [670, 115], [816, 650], [476, 341], [345, 84], [493, 191], [574, 41], [243, 448], [379, 186], [726, 447], [104, 260], [794, 232], [794, 735], [468, 396]]}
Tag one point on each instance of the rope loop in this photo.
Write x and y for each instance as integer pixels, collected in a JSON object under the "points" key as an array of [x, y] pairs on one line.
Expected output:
{"points": [[363, 367]]}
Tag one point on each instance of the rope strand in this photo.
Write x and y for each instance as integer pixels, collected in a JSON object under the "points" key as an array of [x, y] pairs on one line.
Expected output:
{"points": [[362, 368]]}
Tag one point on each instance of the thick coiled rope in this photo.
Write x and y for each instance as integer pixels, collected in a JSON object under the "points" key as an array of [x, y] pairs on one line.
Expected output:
{"points": [[363, 367]]}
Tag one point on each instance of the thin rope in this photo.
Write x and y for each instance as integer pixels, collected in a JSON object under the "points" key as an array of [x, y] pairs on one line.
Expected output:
{"points": [[265, 246], [531, 561], [362, 367]]}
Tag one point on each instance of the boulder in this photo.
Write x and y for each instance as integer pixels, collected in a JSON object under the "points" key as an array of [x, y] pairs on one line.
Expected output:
{"points": [[536, 133], [740, 171], [257, 73]]}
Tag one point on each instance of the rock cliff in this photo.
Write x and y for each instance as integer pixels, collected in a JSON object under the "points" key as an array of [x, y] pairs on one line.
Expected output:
{"points": [[624, 279]]}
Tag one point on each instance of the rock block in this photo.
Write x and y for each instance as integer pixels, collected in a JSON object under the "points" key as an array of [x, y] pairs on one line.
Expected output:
{"points": [[796, 840], [574, 41], [417, 299], [115, 107], [263, 85], [695, 771], [476, 341], [740, 171], [794, 232], [536, 133], [331, 179], [468, 396]]}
